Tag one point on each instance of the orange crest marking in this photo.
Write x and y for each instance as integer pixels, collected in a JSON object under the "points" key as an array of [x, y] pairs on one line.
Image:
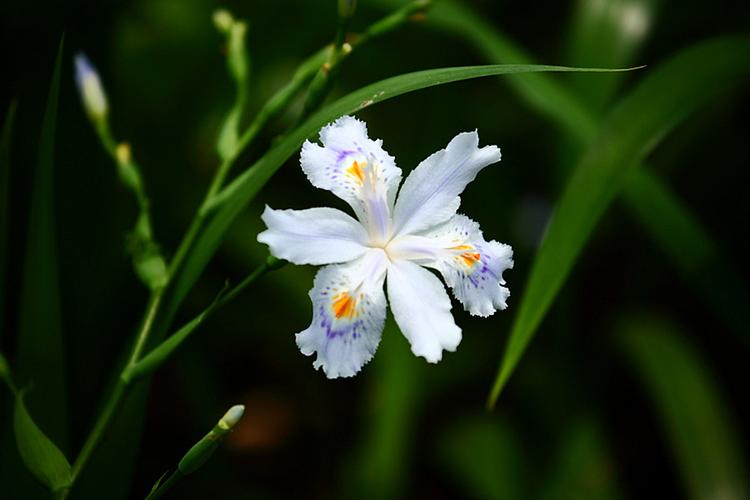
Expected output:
{"points": [[468, 256], [344, 306], [357, 171]]}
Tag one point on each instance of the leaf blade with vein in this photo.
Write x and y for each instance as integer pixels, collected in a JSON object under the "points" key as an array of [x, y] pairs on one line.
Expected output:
{"points": [[665, 97]]}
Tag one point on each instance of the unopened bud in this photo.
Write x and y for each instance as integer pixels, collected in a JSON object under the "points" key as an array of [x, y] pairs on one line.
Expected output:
{"points": [[232, 416], [91, 90], [223, 20], [203, 449]]}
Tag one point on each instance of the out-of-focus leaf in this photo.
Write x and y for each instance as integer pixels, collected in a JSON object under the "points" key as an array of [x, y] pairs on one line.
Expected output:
{"points": [[39, 356], [690, 409], [604, 31], [484, 456], [41, 456], [583, 468], [662, 100], [230, 202], [675, 229], [5, 140], [380, 467]]}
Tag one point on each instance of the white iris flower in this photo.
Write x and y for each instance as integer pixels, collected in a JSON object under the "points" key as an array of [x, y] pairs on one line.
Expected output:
{"points": [[390, 238]]}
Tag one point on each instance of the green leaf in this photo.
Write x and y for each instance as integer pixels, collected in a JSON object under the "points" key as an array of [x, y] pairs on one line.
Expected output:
{"points": [[663, 99], [540, 91], [687, 401], [689, 247], [5, 142], [41, 456], [230, 202], [39, 356]]}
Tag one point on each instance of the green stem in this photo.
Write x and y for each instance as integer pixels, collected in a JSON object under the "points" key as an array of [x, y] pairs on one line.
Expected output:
{"points": [[161, 353], [148, 323], [272, 109]]}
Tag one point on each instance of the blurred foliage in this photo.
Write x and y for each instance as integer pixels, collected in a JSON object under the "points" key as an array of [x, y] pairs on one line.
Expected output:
{"points": [[653, 411]]}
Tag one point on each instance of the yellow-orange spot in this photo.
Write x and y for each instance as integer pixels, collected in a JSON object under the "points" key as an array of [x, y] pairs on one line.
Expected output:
{"points": [[344, 306], [357, 171], [470, 258], [463, 247]]}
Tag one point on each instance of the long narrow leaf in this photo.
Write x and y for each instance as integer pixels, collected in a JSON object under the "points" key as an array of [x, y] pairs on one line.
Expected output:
{"points": [[5, 142], [689, 247], [688, 404], [39, 356], [236, 196], [41, 456], [665, 98]]}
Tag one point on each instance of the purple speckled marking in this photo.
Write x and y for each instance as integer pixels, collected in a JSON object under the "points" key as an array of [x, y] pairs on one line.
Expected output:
{"points": [[333, 332], [343, 154]]}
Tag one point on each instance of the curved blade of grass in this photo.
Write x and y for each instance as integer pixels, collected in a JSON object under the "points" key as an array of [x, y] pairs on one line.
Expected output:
{"points": [[608, 33], [229, 202], [673, 227], [39, 356], [688, 404], [671, 224], [664, 98], [5, 140]]}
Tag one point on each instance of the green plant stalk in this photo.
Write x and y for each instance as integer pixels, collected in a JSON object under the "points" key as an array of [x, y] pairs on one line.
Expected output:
{"points": [[156, 317], [304, 75], [200, 452], [160, 354], [326, 75], [137, 367]]}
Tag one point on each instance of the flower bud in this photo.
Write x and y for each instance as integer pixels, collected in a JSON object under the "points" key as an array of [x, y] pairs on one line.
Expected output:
{"points": [[223, 20], [232, 416], [203, 449], [90, 88]]}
